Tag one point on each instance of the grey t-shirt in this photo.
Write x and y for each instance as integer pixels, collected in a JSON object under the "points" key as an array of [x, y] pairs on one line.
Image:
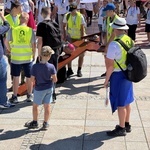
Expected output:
{"points": [[10, 38]]}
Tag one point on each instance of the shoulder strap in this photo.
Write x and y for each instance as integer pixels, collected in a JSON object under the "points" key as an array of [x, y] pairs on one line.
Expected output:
{"points": [[67, 16], [122, 44], [125, 47]]}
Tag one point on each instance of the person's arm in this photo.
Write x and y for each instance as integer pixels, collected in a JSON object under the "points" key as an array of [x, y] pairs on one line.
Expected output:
{"points": [[33, 41], [32, 79], [144, 5], [110, 68], [8, 39], [78, 2], [31, 5], [5, 27], [39, 45], [139, 17], [65, 26], [82, 30], [110, 40], [54, 78]]}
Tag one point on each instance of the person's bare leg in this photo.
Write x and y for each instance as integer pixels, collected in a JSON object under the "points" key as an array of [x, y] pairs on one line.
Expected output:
{"points": [[15, 85], [35, 112], [122, 116], [70, 65], [29, 85], [46, 112], [128, 110], [80, 60]]}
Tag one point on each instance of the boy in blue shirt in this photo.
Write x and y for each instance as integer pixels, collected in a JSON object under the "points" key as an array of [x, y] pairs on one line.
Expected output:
{"points": [[44, 75]]}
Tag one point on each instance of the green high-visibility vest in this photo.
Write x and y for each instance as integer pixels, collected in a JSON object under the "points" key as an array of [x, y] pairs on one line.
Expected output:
{"points": [[21, 46]]}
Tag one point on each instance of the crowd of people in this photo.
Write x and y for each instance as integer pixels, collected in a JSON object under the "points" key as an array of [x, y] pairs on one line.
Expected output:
{"points": [[56, 22]]}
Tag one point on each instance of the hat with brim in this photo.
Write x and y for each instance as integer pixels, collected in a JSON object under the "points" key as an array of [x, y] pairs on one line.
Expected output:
{"points": [[120, 24]]}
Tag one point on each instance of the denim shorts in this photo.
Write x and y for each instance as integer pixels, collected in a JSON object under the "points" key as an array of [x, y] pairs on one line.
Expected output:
{"points": [[43, 97], [16, 69]]}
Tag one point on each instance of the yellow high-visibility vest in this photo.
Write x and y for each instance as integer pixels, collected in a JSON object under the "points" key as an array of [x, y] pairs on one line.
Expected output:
{"points": [[74, 26], [129, 42], [11, 22], [21, 46], [109, 28]]}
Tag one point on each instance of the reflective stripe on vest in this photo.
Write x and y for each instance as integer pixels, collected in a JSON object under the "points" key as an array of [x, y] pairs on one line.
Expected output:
{"points": [[74, 26], [11, 22], [108, 27], [21, 50], [128, 41]]}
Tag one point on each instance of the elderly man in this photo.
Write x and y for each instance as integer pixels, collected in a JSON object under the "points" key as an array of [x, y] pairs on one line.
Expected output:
{"points": [[121, 89], [21, 43]]}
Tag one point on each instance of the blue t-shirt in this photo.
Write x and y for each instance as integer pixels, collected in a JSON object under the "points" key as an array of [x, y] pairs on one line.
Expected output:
{"points": [[42, 74]]}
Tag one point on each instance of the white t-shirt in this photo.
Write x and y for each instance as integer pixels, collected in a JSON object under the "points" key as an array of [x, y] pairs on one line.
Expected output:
{"points": [[25, 6], [61, 4], [39, 6], [8, 4], [89, 6], [148, 16], [82, 6], [132, 17], [100, 18], [114, 52]]}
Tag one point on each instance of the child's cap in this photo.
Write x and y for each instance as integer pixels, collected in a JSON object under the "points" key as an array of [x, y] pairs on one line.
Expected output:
{"points": [[46, 51]]}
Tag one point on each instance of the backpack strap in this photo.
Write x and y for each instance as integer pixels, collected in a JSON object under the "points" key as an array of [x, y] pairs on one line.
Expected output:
{"points": [[125, 47], [122, 44]]}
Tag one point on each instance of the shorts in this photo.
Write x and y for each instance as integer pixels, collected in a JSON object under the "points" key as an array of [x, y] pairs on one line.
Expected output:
{"points": [[43, 97], [147, 27], [89, 13], [16, 69]]}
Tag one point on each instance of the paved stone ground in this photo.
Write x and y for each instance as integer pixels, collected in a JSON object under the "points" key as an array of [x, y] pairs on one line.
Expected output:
{"points": [[79, 119]]}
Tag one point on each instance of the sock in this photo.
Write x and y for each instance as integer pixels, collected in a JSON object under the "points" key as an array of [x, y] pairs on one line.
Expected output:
{"points": [[69, 68], [34, 122], [127, 124], [79, 68]]}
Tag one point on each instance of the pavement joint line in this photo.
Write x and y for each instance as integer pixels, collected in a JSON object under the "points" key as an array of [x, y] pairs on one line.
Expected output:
{"points": [[147, 142], [32, 137]]}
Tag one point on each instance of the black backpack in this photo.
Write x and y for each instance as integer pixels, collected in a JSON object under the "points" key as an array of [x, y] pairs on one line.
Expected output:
{"points": [[136, 63], [53, 33]]}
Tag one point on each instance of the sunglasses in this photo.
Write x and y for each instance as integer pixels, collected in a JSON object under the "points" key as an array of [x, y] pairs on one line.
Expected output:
{"points": [[72, 6]]}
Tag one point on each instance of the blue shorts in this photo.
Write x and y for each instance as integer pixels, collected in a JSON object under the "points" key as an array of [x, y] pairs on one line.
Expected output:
{"points": [[44, 96], [16, 69]]}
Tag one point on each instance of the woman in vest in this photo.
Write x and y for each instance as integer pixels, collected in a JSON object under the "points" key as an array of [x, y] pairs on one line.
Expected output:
{"points": [[121, 89]]}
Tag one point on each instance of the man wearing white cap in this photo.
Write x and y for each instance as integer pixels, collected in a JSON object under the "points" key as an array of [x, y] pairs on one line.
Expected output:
{"points": [[121, 89]]}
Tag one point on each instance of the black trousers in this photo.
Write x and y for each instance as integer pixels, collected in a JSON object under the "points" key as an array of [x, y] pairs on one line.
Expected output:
{"points": [[132, 31]]}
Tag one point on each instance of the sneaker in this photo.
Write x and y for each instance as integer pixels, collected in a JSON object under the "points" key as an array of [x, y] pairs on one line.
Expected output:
{"points": [[7, 105], [127, 127], [31, 125], [29, 98], [45, 126], [117, 132], [103, 75], [10, 89], [69, 72], [79, 74], [14, 99]]}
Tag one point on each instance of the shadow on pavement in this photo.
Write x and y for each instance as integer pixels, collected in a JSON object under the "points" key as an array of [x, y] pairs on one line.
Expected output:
{"points": [[71, 88], [17, 107], [83, 142], [15, 134]]}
